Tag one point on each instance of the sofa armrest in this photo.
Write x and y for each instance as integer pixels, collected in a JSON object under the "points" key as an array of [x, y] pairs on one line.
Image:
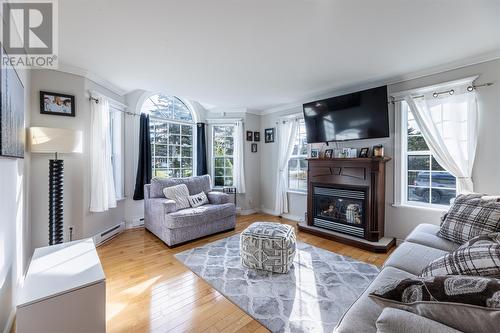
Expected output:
{"points": [[217, 198], [393, 320], [170, 206]]}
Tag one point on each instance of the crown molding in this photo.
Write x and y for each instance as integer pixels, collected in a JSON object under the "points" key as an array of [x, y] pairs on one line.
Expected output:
{"points": [[482, 58], [69, 69]]}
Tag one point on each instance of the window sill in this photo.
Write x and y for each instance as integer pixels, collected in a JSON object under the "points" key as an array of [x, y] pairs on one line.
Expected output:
{"points": [[297, 192], [423, 207]]}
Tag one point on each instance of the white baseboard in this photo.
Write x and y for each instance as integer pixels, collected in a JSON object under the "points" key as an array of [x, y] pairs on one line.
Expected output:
{"points": [[268, 211], [108, 234], [248, 211], [293, 217], [10, 321], [135, 222]]}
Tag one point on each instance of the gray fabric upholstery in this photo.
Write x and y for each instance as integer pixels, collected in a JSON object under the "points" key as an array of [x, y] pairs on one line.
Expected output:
{"points": [[194, 216], [217, 198], [413, 258], [426, 234], [363, 314], [195, 185], [393, 320], [178, 226], [181, 235]]}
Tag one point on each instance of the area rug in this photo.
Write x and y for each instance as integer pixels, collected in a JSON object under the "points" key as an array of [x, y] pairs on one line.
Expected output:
{"points": [[311, 297]]}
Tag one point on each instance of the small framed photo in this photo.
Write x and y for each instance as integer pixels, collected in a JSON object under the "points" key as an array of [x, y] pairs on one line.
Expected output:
{"points": [[249, 136], [329, 153], [256, 136], [269, 135], [364, 152], [57, 104], [314, 153], [254, 147]]}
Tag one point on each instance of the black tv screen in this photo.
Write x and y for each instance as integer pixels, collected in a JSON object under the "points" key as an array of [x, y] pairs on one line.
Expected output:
{"points": [[361, 115]]}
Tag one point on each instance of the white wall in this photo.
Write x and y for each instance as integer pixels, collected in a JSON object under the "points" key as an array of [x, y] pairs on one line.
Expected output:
{"points": [[15, 244], [401, 220], [76, 166]]}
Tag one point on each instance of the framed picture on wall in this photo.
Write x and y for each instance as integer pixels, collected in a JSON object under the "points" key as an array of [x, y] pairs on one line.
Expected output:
{"points": [[269, 135], [11, 113], [254, 147], [249, 136], [256, 136], [57, 104]]}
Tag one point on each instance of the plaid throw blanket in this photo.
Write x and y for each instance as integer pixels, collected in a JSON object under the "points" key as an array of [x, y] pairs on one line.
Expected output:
{"points": [[470, 216]]}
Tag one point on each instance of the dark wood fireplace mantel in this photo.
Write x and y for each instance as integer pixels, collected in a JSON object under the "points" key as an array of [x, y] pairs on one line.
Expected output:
{"points": [[365, 175]]}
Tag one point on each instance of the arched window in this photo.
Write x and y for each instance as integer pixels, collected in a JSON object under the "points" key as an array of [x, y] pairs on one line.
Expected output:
{"points": [[171, 127]]}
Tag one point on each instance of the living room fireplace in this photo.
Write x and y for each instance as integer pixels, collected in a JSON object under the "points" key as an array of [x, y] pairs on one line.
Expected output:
{"points": [[340, 209], [346, 201]]}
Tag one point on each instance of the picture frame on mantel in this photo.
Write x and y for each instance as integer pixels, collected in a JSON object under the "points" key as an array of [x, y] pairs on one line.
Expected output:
{"points": [[57, 104]]}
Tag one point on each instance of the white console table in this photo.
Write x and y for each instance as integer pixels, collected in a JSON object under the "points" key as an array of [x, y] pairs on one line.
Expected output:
{"points": [[64, 290]]}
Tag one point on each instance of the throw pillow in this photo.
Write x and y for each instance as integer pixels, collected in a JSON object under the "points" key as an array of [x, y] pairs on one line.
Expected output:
{"points": [[470, 216], [178, 193], [482, 239], [466, 303], [480, 259], [198, 199]]}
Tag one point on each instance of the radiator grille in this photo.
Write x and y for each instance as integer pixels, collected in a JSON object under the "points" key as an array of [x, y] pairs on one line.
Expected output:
{"points": [[351, 194]]}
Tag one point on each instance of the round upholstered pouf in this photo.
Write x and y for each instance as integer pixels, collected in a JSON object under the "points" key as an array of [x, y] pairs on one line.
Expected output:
{"points": [[268, 246]]}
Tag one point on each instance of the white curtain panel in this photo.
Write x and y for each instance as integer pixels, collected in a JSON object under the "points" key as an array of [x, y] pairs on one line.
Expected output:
{"points": [[286, 137], [449, 125], [102, 185], [239, 160]]}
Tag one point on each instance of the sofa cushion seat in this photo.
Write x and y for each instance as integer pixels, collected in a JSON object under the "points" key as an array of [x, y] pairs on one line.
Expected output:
{"points": [[199, 215], [362, 315], [413, 258], [427, 234]]}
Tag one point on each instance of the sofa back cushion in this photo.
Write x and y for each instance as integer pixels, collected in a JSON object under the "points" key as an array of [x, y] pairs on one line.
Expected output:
{"points": [[469, 216], [195, 185]]}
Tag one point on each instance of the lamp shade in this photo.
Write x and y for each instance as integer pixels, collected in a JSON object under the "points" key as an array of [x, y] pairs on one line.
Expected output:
{"points": [[55, 140]]}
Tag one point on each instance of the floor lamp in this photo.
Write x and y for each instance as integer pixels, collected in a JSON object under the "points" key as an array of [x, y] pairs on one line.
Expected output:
{"points": [[55, 141]]}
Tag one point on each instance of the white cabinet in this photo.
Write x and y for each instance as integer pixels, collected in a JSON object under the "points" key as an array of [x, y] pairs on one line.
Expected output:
{"points": [[64, 290]]}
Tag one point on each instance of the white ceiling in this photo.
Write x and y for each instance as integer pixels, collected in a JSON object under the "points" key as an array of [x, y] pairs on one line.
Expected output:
{"points": [[264, 53]]}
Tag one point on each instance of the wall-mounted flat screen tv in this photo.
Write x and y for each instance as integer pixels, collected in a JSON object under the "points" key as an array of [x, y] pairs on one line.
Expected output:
{"points": [[356, 116]]}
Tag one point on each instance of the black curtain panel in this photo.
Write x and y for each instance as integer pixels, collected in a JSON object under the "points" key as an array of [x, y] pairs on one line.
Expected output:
{"points": [[144, 162], [201, 153]]}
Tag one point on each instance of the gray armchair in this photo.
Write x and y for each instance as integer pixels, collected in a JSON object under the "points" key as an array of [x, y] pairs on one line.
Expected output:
{"points": [[173, 226]]}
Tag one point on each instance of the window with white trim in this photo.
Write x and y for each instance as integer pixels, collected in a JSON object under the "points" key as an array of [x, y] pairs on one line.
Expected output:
{"points": [[171, 127], [116, 134], [297, 164], [425, 182], [222, 155]]}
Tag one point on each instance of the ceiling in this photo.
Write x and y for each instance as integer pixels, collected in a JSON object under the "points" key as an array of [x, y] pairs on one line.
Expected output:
{"points": [[261, 54]]}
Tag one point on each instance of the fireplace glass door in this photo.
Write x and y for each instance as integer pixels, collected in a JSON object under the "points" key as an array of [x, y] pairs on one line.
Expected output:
{"points": [[342, 206]]}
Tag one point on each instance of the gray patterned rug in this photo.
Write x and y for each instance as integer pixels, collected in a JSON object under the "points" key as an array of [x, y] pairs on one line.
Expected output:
{"points": [[312, 297]]}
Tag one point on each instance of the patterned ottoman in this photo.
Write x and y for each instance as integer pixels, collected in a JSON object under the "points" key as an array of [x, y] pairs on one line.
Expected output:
{"points": [[268, 246]]}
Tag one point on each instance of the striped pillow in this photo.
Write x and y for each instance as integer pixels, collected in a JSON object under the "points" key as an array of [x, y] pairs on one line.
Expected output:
{"points": [[178, 193], [470, 216]]}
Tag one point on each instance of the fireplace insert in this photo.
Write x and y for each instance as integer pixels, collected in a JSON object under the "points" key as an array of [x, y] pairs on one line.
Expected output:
{"points": [[340, 209]]}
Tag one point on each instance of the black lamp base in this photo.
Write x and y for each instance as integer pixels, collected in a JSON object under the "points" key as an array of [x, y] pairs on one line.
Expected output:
{"points": [[56, 189]]}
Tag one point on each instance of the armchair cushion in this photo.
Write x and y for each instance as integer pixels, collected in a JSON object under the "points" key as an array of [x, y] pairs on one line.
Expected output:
{"points": [[194, 184], [199, 215], [218, 198]]}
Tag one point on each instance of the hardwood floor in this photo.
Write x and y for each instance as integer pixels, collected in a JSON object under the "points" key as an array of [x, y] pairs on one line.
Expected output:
{"points": [[148, 290]]}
